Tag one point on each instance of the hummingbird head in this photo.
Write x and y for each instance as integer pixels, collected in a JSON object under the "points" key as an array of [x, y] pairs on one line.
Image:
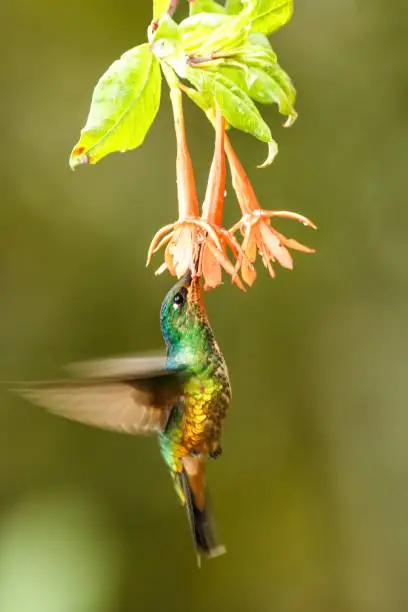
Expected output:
{"points": [[181, 313]]}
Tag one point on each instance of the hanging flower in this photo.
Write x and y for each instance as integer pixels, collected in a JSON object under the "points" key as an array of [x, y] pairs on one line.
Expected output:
{"points": [[194, 242], [255, 225], [200, 243], [184, 239]]}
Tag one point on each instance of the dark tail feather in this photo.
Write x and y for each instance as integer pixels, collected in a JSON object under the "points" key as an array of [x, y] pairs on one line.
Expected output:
{"points": [[201, 524]]}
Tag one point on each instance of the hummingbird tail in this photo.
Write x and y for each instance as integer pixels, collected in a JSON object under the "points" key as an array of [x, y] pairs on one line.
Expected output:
{"points": [[200, 518]]}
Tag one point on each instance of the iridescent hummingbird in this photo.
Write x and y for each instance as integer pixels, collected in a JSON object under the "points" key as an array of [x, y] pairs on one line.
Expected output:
{"points": [[182, 397]]}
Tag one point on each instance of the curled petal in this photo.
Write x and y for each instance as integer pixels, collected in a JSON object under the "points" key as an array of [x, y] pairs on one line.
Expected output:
{"points": [[236, 227], [209, 229], [157, 240], [162, 242], [286, 214], [186, 238]]}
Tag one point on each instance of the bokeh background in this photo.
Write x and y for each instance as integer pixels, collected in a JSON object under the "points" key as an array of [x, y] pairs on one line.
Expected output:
{"points": [[311, 492]]}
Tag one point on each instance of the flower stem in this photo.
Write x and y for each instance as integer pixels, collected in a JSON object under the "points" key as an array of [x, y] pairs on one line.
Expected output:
{"points": [[172, 7]]}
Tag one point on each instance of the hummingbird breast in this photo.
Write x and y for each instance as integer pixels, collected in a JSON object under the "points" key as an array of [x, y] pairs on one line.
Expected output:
{"points": [[195, 422], [207, 397]]}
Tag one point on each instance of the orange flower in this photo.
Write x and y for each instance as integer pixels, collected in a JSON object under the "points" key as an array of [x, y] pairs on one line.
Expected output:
{"points": [[184, 239], [260, 235], [182, 235], [194, 242], [200, 243], [255, 225]]}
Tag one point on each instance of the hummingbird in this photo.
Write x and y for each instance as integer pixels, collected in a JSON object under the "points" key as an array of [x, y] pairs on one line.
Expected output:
{"points": [[182, 397]]}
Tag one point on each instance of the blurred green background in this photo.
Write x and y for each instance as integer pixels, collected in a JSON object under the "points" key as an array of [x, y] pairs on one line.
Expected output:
{"points": [[311, 492]]}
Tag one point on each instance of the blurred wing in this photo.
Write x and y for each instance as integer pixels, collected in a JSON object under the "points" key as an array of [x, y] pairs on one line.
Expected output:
{"points": [[135, 405], [119, 367]]}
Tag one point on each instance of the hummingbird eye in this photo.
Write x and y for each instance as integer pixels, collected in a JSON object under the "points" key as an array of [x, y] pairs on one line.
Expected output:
{"points": [[178, 299]]}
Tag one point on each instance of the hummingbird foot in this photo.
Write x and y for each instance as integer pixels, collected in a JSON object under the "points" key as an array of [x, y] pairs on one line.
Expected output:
{"points": [[216, 452]]}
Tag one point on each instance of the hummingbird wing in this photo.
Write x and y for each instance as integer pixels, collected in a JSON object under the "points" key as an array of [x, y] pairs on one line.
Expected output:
{"points": [[119, 367], [130, 395]]}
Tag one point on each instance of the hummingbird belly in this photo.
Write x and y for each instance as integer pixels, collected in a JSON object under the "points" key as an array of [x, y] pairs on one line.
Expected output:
{"points": [[195, 423], [205, 406]]}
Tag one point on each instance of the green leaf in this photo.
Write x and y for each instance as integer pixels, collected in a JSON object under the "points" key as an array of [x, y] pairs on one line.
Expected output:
{"points": [[213, 33], [195, 30], [160, 7], [235, 73], [235, 104], [284, 90], [166, 44], [204, 102], [268, 89], [206, 6], [234, 7], [259, 40], [274, 87], [203, 81], [270, 15], [256, 55], [229, 37], [124, 104], [165, 41], [167, 28]]}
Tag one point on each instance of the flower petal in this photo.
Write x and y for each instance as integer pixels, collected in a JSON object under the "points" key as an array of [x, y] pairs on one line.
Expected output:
{"points": [[287, 214], [232, 242], [249, 246], [168, 257], [226, 264], [276, 249], [291, 243], [156, 240], [248, 272], [270, 269], [209, 229], [183, 251], [211, 269], [161, 269], [163, 242]]}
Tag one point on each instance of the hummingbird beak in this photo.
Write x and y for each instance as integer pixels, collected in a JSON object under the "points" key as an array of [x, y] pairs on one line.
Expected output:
{"points": [[195, 291], [194, 288]]}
